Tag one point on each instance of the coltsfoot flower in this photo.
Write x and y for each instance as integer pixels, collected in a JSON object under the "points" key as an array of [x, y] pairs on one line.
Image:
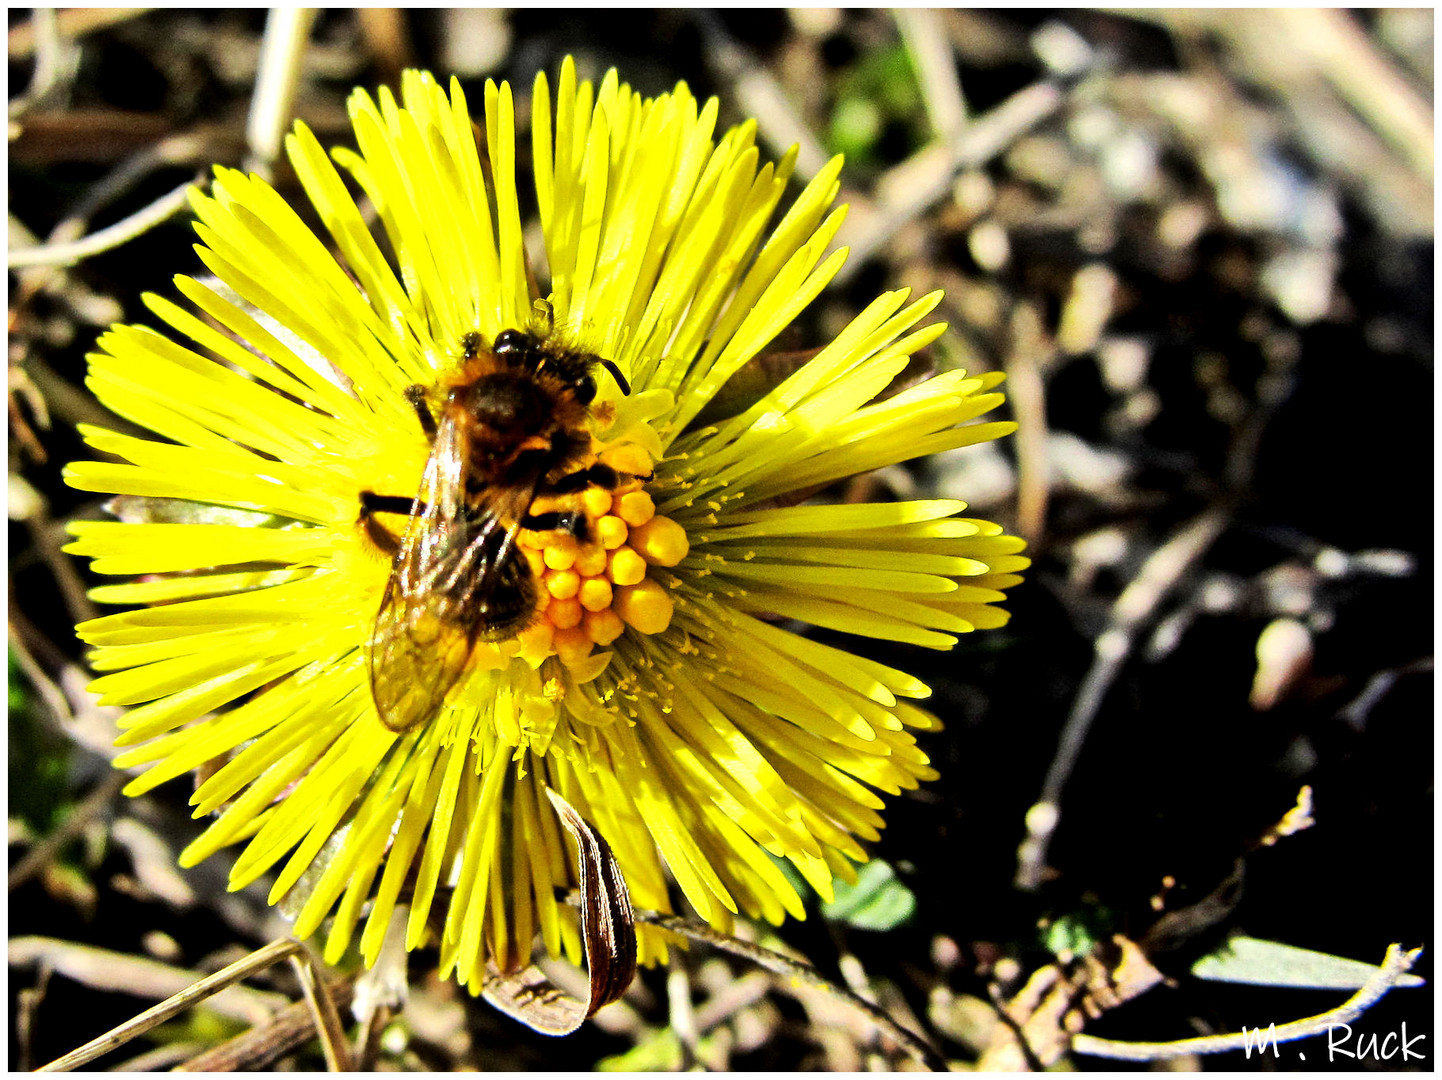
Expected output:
{"points": [[648, 680]]}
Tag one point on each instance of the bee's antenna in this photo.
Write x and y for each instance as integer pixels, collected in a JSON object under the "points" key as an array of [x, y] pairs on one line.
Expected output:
{"points": [[610, 366]]}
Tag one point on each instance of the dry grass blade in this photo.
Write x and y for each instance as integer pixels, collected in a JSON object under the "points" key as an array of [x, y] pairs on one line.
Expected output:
{"points": [[281, 56], [262, 1046], [27, 1001], [327, 1018], [257, 961], [105, 969], [1396, 964], [760, 95], [109, 237], [1031, 352], [925, 35]]}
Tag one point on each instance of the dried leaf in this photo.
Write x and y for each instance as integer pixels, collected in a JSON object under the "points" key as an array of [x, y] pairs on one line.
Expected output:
{"points": [[1057, 1002], [1270, 963], [609, 929]]}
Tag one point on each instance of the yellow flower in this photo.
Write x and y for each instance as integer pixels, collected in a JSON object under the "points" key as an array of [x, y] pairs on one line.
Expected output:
{"points": [[652, 687]]}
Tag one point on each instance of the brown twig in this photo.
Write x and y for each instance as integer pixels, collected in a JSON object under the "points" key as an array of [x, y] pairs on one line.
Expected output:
{"points": [[66, 696], [71, 404], [980, 141], [1031, 351], [1396, 964], [736, 995], [72, 23], [138, 976], [50, 57], [681, 1014], [800, 972], [27, 1001], [47, 536], [1158, 575], [368, 1039], [193, 147], [760, 95], [162, 1057], [257, 961], [25, 641]]}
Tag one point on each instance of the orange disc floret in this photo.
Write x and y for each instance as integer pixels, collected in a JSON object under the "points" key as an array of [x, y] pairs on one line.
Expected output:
{"points": [[564, 614], [603, 627], [625, 567], [591, 591], [572, 644], [660, 541], [595, 594], [563, 584], [611, 531], [645, 606], [561, 553], [635, 508], [596, 502], [590, 560]]}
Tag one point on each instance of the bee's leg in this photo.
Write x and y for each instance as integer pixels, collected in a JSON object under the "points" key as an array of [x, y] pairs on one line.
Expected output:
{"points": [[598, 475], [601, 475], [416, 395], [567, 521], [373, 504]]}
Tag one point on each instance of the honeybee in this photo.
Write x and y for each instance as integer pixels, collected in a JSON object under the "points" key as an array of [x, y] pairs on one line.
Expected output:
{"points": [[509, 425]]}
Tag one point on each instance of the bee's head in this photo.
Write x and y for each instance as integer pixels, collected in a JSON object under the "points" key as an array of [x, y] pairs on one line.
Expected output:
{"points": [[516, 347], [530, 352]]}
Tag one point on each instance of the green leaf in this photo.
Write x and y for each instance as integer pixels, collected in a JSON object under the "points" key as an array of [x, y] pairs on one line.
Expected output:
{"points": [[878, 900], [17, 684], [658, 1052], [1270, 963], [1071, 934]]}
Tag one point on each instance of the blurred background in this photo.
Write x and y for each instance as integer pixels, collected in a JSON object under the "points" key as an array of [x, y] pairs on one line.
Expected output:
{"points": [[1201, 246]]}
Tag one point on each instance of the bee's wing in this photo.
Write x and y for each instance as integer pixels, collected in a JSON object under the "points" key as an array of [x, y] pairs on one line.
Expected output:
{"points": [[451, 562]]}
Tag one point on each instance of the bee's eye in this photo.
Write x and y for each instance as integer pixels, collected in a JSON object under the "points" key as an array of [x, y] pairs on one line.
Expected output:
{"points": [[509, 341], [586, 390]]}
